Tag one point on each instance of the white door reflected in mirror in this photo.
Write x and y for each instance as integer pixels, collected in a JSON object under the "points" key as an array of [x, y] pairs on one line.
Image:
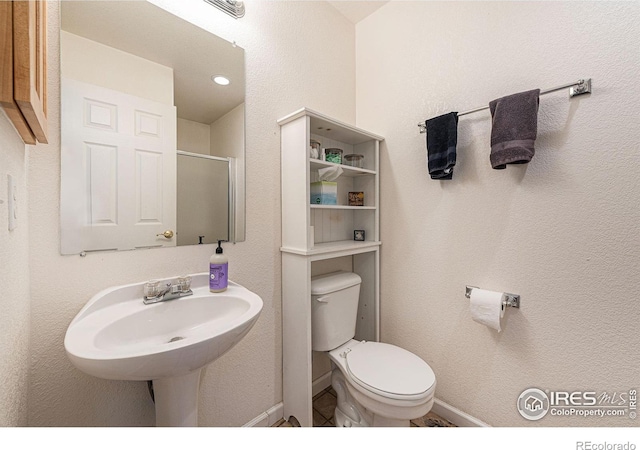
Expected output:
{"points": [[118, 174]]}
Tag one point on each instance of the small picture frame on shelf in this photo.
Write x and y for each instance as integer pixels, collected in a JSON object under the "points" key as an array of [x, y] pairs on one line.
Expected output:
{"points": [[356, 198], [358, 235]]}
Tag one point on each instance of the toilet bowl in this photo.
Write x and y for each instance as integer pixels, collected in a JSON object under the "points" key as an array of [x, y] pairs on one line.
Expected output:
{"points": [[377, 384], [388, 385]]}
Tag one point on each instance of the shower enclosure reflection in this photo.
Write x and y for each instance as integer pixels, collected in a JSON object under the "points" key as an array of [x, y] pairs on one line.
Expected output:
{"points": [[203, 207]]}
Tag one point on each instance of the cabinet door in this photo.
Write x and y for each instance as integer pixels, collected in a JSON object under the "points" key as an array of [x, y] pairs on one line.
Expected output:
{"points": [[29, 64], [6, 75]]}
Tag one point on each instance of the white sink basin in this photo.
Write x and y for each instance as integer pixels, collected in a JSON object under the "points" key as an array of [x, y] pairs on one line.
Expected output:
{"points": [[116, 336]]}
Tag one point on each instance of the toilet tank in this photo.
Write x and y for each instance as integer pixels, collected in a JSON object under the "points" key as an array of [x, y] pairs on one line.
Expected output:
{"points": [[334, 309]]}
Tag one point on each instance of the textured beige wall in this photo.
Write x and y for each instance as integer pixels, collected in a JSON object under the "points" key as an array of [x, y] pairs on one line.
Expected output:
{"points": [[561, 231], [296, 53], [193, 136], [227, 134], [14, 279]]}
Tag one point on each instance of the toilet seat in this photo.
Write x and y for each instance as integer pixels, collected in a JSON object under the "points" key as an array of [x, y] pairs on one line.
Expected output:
{"points": [[389, 371]]}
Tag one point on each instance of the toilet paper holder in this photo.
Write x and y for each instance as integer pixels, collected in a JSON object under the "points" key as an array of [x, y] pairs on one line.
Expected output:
{"points": [[512, 300]]}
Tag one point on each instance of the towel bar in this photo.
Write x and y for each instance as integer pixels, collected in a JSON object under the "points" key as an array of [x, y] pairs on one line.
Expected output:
{"points": [[512, 300], [580, 87]]}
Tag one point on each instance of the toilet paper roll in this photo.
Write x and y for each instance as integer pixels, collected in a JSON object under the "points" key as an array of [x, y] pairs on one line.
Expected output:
{"points": [[486, 307]]}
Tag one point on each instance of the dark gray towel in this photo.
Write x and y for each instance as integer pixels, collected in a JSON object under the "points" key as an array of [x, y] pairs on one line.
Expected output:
{"points": [[442, 138], [514, 128]]}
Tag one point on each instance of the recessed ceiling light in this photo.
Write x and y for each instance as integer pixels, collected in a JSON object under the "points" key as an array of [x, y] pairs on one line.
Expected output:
{"points": [[219, 79]]}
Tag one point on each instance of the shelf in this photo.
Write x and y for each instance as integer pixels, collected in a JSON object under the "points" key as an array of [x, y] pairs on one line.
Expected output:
{"points": [[349, 171], [336, 247], [342, 207]]}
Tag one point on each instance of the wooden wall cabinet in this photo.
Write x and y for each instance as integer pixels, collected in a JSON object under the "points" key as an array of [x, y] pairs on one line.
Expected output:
{"points": [[23, 67]]}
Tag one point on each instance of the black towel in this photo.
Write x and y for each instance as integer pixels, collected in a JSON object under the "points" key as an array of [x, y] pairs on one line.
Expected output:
{"points": [[514, 127], [442, 138]]}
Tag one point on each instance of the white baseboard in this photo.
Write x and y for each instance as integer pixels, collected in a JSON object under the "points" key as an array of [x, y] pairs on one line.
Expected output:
{"points": [[320, 384], [455, 416], [275, 413], [444, 410], [268, 418]]}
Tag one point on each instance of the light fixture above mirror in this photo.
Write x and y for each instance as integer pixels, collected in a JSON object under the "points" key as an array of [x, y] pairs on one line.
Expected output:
{"points": [[234, 8]]}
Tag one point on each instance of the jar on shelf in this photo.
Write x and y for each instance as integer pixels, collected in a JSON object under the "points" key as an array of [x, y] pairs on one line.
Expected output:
{"points": [[354, 160], [333, 155], [314, 149]]}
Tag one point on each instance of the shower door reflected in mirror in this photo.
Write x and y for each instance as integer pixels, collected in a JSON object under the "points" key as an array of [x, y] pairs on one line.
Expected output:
{"points": [[203, 207], [136, 86]]}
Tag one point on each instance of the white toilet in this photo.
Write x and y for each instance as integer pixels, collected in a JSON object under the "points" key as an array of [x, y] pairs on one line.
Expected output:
{"points": [[377, 384]]}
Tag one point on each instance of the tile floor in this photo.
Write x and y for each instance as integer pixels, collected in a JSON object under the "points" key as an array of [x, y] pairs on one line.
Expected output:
{"points": [[324, 405]]}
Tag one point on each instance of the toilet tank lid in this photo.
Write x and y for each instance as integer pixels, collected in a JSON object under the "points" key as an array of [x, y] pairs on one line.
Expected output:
{"points": [[332, 282]]}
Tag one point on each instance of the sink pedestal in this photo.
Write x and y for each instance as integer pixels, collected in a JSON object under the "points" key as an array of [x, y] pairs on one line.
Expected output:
{"points": [[177, 400]]}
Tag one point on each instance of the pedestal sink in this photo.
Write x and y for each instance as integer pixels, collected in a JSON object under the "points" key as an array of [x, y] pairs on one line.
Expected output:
{"points": [[117, 337]]}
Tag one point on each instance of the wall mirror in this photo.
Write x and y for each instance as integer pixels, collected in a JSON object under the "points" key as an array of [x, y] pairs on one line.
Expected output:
{"points": [[152, 149]]}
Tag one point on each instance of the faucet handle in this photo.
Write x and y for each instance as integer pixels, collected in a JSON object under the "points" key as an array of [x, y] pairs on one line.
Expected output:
{"points": [[151, 288], [184, 283]]}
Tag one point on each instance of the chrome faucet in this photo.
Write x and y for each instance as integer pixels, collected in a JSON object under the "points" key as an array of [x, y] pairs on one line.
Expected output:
{"points": [[154, 292]]}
